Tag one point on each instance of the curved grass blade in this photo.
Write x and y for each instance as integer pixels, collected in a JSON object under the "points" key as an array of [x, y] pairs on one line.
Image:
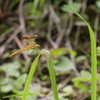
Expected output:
{"points": [[51, 71], [52, 74], [93, 56], [32, 70], [14, 95]]}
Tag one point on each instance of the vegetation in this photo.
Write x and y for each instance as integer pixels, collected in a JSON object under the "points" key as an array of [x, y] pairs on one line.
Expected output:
{"points": [[71, 65]]}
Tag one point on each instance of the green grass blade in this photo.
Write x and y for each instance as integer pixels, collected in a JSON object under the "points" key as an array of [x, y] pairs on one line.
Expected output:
{"points": [[93, 56], [34, 6], [52, 74], [14, 95], [32, 70], [51, 71]]}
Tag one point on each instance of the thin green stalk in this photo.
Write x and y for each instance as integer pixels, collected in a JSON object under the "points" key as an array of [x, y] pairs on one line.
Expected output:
{"points": [[52, 74], [15, 95], [93, 57], [32, 70]]}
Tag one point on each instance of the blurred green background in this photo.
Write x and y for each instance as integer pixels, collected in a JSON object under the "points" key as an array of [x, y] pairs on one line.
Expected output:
{"points": [[59, 31]]}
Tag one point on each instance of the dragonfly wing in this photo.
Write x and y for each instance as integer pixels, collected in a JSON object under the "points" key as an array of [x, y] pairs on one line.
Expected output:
{"points": [[30, 39]]}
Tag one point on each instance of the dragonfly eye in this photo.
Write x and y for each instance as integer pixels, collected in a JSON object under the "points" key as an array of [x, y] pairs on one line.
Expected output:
{"points": [[38, 46], [25, 37], [35, 36]]}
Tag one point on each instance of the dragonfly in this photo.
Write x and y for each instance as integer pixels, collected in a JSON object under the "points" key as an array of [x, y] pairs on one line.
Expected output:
{"points": [[28, 47]]}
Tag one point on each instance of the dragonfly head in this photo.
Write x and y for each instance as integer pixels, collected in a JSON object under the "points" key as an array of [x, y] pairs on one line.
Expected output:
{"points": [[35, 36], [38, 46]]}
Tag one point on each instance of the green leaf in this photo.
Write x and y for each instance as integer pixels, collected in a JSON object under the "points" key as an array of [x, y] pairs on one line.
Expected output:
{"points": [[80, 58], [6, 88], [20, 81], [67, 90], [80, 23], [5, 55], [34, 88], [4, 81], [11, 69], [84, 89], [64, 64], [98, 4], [76, 6], [80, 82], [62, 51], [85, 74]]}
